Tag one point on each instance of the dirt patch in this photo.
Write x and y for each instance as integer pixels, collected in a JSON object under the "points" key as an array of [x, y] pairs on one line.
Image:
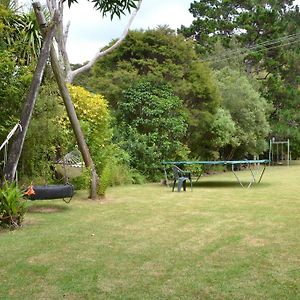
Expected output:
{"points": [[100, 200], [43, 209], [255, 242], [27, 222], [104, 200], [46, 209]]}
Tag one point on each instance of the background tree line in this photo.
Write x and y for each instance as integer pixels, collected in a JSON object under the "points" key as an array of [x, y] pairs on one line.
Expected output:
{"points": [[218, 89], [226, 116], [267, 39]]}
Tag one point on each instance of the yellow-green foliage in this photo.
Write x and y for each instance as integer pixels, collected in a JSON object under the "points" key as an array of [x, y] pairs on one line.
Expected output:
{"points": [[90, 107], [93, 114], [3, 14]]}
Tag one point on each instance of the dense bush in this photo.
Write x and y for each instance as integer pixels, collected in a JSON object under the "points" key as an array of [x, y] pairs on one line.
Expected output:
{"points": [[164, 55], [46, 139], [95, 120], [152, 126], [248, 110], [115, 173], [94, 116], [81, 182], [14, 81]]}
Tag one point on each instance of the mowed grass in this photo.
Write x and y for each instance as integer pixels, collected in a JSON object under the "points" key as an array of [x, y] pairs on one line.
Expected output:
{"points": [[144, 242]]}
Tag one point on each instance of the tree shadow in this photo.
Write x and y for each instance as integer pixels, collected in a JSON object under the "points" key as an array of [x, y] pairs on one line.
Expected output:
{"points": [[227, 184]]}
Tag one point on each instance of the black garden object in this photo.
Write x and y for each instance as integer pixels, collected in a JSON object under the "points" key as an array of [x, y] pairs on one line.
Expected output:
{"points": [[48, 192]]}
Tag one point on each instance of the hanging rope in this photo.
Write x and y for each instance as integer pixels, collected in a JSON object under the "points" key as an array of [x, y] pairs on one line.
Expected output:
{"points": [[5, 144], [12, 132]]}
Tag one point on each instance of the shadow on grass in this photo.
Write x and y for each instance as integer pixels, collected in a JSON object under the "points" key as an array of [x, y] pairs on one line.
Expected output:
{"points": [[227, 184], [47, 208]]}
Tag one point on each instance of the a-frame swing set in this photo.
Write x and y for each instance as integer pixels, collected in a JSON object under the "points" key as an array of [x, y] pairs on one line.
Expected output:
{"points": [[40, 192], [10, 162]]}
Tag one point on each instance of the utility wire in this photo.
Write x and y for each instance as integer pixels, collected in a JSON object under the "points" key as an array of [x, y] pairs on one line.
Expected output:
{"points": [[251, 52], [240, 51], [275, 41], [293, 38]]}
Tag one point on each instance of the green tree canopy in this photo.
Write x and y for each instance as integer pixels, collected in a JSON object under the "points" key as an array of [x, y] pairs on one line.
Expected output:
{"points": [[20, 35], [14, 82], [268, 35], [163, 55], [14, 78], [152, 126], [158, 53], [251, 22], [248, 110], [223, 133]]}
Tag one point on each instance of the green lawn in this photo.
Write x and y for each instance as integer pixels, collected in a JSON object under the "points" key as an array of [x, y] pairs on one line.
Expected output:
{"points": [[145, 242]]}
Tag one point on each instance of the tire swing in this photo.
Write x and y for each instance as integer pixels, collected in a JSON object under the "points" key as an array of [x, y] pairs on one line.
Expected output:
{"points": [[63, 191], [53, 191], [50, 192]]}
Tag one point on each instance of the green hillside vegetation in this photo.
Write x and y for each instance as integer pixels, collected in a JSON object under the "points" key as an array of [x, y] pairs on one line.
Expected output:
{"points": [[217, 89]]}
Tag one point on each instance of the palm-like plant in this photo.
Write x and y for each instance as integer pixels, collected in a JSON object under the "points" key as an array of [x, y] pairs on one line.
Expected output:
{"points": [[20, 33], [30, 37], [12, 206]]}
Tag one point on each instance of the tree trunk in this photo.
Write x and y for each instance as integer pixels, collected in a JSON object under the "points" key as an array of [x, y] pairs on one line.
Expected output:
{"points": [[17, 145], [69, 105]]}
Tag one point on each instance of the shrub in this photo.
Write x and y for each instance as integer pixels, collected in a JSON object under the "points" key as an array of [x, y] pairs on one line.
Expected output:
{"points": [[46, 139], [83, 181], [12, 206], [117, 174], [152, 126], [94, 117]]}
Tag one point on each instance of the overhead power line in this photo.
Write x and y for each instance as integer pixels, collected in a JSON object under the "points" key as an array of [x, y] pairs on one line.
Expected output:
{"points": [[284, 41]]}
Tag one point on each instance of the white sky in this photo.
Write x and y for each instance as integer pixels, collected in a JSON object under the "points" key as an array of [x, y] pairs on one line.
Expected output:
{"points": [[89, 31]]}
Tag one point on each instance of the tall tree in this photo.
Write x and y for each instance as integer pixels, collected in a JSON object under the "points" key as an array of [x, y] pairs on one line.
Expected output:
{"points": [[269, 36], [17, 146], [152, 125], [163, 55], [251, 22], [249, 112], [106, 7]]}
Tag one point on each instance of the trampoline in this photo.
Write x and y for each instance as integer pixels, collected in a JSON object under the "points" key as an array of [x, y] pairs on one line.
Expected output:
{"points": [[232, 163]]}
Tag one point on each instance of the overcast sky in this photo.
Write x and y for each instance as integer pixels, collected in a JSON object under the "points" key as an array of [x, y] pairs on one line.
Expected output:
{"points": [[89, 31]]}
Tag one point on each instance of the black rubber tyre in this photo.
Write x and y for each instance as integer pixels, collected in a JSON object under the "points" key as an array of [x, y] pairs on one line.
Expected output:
{"points": [[46, 192]]}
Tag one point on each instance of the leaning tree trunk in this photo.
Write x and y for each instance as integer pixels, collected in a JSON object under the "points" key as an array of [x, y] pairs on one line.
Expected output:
{"points": [[17, 145], [69, 105]]}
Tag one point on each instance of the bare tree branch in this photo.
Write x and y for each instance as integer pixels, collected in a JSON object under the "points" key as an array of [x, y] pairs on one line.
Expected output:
{"points": [[63, 50], [51, 4], [71, 74], [66, 32]]}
